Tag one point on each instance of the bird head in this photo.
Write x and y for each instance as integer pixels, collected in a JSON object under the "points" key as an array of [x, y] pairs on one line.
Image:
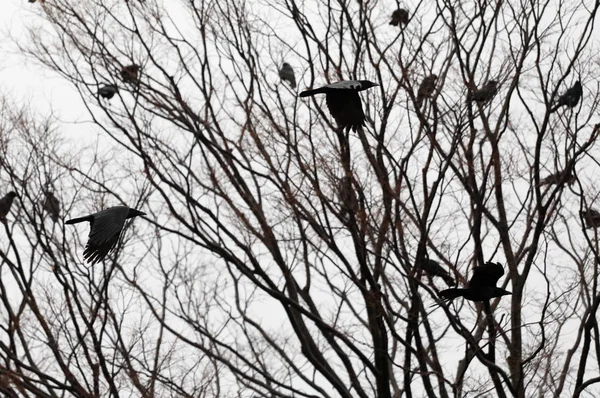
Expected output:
{"points": [[434, 76], [12, 194], [493, 83], [134, 213], [286, 65], [365, 84]]}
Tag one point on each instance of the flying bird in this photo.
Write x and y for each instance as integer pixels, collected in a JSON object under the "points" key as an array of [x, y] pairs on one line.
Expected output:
{"points": [[485, 93], [343, 102], [561, 177], [481, 286], [51, 205], [105, 229], [426, 89], [399, 17], [6, 203], [129, 73], [107, 91], [433, 268], [591, 218], [569, 98], [286, 73]]}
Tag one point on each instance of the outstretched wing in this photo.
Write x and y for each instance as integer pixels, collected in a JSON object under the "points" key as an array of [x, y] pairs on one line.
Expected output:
{"points": [[486, 275], [104, 233], [346, 108]]}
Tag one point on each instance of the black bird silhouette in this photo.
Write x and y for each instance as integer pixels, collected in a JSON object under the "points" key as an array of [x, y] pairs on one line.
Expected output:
{"points": [[485, 93], [52, 205], [591, 218], [129, 73], [6, 203], [433, 268], [481, 286], [399, 17], [343, 102], [426, 89], [105, 229], [570, 97], [107, 91], [561, 177], [286, 73]]}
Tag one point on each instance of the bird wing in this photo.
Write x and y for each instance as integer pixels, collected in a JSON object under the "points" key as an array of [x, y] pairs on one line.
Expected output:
{"points": [[104, 232], [486, 275], [346, 108]]}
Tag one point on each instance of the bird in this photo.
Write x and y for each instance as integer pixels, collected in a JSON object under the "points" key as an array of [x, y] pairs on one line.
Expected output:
{"points": [[105, 229], [6, 203], [108, 91], [433, 268], [52, 205], [343, 101], [569, 98], [286, 73], [399, 17], [481, 286], [591, 218], [426, 89], [485, 93], [129, 73], [561, 177]]}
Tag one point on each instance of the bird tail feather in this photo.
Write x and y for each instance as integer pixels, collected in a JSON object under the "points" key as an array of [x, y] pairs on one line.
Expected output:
{"points": [[80, 219], [450, 294], [308, 93]]}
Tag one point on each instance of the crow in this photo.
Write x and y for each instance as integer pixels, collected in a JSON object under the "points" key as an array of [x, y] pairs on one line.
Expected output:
{"points": [[107, 91], [433, 268], [6, 203], [481, 286], [52, 205], [343, 102], [560, 177], [426, 89], [399, 17], [591, 218], [485, 93], [105, 229], [129, 73], [570, 98], [286, 73]]}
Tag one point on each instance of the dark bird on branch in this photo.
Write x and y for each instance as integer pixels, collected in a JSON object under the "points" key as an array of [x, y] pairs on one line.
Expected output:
{"points": [[591, 218], [426, 89], [433, 268], [129, 73], [485, 93], [561, 177], [107, 91], [286, 73], [570, 97], [6, 203], [399, 17], [52, 205], [481, 286], [105, 229], [343, 102]]}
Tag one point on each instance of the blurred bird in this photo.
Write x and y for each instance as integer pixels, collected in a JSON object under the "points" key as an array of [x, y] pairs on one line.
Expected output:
{"points": [[6, 203], [343, 102], [485, 93], [481, 286], [433, 268], [399, 17], [105, 229], [129, 73], [426, 89], [348, 199], [107, 91], [591, 218], [570, 97], [561, 177], [286, 73], [52, 205]]}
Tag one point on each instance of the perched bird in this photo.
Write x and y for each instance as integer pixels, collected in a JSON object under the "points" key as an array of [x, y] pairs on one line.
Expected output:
{"points": [[348, 199], [343, 101], [485, 93], [5, 204], [433, 268], [561, 177], [570, 97], [591, 218], [51, 205], [481, 286], [399, 17], [426, 89], [129, 73], [286, 73], [105, 229], [108, 91]]}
